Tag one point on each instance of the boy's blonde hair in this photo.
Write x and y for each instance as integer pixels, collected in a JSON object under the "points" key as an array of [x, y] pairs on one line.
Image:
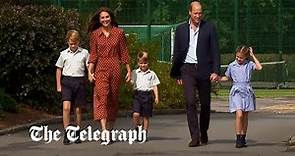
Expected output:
{"points": [[73, 35], [244, 50], [142, 56]]}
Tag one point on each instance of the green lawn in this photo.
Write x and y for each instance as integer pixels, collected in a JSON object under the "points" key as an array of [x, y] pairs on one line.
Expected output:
{"points": [[263, 93]]}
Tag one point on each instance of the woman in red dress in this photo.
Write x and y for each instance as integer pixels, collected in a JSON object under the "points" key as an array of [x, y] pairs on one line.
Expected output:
{"points": [[108, 49]]}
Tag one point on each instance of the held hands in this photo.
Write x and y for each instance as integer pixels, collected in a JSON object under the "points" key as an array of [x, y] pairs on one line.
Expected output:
{"points": [[91, 77], [214, 77]]}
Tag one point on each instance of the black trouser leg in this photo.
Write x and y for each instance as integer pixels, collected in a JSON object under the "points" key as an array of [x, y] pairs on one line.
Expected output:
{"points": [[190, 85], [204, 89]]}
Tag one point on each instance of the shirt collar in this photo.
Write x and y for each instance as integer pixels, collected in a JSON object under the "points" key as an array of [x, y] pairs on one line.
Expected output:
{"points": [[198, 26], [77, 51], [140, 71]]}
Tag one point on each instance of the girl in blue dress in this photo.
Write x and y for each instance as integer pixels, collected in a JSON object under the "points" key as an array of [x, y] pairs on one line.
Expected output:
{"points": [[241, 98]]}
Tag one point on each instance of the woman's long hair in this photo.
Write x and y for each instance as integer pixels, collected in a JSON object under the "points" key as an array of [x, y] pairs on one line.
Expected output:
{"points": [[94, 22]]}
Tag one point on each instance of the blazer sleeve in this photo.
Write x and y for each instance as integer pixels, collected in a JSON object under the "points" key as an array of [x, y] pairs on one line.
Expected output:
{"points": [[215, 51], [176, 58]]}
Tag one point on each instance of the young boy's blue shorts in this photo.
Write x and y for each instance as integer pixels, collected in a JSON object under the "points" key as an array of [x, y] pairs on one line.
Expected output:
{"points": [[143, 103], [74, 89]]}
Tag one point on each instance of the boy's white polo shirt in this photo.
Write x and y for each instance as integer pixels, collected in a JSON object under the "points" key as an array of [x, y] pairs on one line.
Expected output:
{"points": [[144, 80], [73, 63]]}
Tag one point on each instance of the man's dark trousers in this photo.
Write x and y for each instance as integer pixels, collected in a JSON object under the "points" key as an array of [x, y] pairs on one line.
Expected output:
{"points": [[194, 85]]}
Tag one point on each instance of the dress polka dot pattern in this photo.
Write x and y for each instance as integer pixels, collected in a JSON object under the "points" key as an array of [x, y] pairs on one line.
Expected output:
{"points": [[107, 53]]}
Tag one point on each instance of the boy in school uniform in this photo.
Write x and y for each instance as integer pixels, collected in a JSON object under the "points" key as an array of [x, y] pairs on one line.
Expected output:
{"points": [[145, 83], [70, 80]]}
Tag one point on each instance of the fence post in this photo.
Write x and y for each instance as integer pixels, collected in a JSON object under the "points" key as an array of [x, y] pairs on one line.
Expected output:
{"points": [[172, 35], [247, 21], [282, 78], [280, 39], [148, 20]]}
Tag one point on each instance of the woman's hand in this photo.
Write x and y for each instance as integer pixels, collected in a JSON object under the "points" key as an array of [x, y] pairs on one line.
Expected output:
{"points": [[128, 76], [91, 77]]}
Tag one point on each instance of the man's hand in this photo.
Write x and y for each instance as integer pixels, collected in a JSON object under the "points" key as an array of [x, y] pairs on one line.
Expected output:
{"points": [[214, 77], [179, 81]]}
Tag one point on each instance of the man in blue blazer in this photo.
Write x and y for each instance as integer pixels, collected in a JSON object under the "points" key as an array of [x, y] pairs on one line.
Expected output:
{"points": [[196, 62]]}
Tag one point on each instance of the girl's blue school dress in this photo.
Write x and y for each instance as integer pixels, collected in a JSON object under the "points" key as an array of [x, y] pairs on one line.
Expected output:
{"points": [[241, 94]]}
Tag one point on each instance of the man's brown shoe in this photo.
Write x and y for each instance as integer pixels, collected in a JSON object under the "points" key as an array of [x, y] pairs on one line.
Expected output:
{"points": [[194, 143]]}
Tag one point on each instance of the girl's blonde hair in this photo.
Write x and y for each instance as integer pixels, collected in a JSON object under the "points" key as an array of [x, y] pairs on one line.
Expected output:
{"points": [[73, 35], [142, 56], [244, 50]]}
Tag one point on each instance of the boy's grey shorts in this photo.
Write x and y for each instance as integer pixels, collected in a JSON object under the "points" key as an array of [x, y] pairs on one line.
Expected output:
{"points": [[74, 89], [143, 103]]}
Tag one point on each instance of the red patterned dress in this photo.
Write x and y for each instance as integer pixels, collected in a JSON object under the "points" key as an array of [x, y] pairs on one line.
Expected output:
{"points": [[107, 53]]}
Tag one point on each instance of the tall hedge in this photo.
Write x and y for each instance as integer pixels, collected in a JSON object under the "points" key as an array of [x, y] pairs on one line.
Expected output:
{"points": [[30, 41]]}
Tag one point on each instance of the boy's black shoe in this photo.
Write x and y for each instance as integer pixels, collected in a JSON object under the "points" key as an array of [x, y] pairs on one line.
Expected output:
{"points": [[78, 141], [66, 141]]}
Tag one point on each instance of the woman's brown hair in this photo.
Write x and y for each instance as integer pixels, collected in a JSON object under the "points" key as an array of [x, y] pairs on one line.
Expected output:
{"points": [[94, 22]]}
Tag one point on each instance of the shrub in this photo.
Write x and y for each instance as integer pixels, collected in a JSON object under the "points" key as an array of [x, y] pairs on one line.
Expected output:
{"points": [[7, 103], [31, 39], [170, 93]]}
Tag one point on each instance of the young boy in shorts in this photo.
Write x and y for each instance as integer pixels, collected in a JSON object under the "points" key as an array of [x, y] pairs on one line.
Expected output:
{"points": [[71, 82], [145, 83]]}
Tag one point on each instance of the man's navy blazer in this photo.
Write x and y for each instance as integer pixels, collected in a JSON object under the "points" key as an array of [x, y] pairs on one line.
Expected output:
{"points": [[207, 50]]}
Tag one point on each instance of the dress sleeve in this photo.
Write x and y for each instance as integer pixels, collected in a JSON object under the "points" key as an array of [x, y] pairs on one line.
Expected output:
{"points": [[93, 49], [228, 71], [252, 65], [123, 52]]}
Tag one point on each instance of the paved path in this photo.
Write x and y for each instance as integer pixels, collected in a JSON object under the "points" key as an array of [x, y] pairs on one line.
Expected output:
{"points": [[169, 136]]}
